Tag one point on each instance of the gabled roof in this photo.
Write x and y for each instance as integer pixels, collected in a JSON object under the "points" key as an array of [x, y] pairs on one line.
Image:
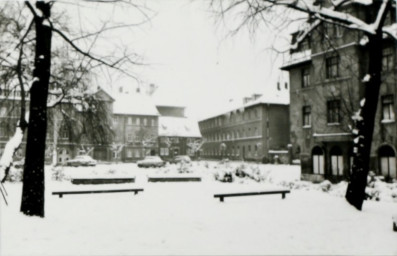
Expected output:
{"points": [[134, 104], [178, 127]]}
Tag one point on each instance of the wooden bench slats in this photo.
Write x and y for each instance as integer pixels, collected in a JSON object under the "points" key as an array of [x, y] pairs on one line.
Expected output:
{"points": [[61, 193], [173, 179], [78, 181], [222, 196]]}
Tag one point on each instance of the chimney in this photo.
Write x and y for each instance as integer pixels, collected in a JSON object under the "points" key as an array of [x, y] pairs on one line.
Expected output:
{"points": [[151, 89]]}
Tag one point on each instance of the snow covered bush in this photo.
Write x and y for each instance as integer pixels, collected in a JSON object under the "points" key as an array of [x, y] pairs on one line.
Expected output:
{"points": [[58, 174], [111, 171], [15, 175], [184, 167], [325, 185], [224, 176]]}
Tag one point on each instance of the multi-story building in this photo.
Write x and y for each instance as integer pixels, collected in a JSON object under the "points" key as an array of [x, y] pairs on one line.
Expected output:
{"points": [[135, 125], [326, 85], [139, 128], [257, 129], [178, 134], [66, 137]]}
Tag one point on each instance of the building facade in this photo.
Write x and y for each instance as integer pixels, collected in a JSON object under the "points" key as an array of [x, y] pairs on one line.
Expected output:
{"points": [[138, 128], [135, 125], [326, 85], [257, 130], [178, 135]]}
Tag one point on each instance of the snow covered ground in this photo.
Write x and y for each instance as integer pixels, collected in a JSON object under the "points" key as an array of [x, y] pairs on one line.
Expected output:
{"points": [[185, 218]]}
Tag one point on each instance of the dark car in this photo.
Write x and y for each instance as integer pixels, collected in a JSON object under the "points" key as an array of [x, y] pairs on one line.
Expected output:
{"points": [[81, 161], [179, 159]]}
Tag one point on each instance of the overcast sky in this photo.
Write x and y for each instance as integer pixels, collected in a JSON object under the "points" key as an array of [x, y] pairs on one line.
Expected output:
{"points": [[193, 62]]}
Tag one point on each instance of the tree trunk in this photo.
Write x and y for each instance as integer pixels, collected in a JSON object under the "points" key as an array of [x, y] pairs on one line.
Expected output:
{"points": [[33, 176], [355, 193]]}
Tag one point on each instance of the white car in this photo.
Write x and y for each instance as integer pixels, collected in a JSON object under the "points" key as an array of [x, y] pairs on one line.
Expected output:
{"points": [[395, 222], [81, 161], [151, 161]]}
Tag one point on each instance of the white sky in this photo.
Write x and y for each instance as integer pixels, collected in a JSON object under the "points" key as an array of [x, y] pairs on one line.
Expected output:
{"points": [[192, 60]]}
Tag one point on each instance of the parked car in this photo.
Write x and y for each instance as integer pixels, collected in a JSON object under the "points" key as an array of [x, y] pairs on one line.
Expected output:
{"points": [[151, 161], [81, 161], [178, 159]]}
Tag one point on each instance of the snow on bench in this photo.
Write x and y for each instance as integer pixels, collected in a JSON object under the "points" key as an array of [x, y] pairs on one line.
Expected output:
{"points": [[222, 196], [61, 193], [78, 181], [174, 179]]}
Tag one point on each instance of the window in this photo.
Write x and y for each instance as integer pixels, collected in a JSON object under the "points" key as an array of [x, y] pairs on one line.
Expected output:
{"points": [[129, 153], [137, 153], [64, 132], [145, 121], [305, 77], [3, 112], [307, 116], [332, 31], [387, 59], [333, 111], [153, 122], [130, 137], [387, 108], [332, 67], [336, 161], [137, 121], [129, 120], [387, 161], [115, 120], [318, 160], [164, 151]]}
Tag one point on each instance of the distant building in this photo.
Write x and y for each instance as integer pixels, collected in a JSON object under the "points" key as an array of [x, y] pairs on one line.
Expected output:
{"points": [[256, 129], [135, 125], [139, 128], [177, 133]]}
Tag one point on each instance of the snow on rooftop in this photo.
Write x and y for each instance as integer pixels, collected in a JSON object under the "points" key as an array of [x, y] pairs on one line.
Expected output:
{"points": [[278, 98], [134, 104], [178, 127], [298, 57]]}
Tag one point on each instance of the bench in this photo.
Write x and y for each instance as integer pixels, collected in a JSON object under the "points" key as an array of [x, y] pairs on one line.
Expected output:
{"points": [[173, 179], [282, 192], [61, 193], [79, 181]]}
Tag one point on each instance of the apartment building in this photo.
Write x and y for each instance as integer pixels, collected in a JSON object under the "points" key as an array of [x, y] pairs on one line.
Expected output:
{"points": [[255, 129], [326, 86]]}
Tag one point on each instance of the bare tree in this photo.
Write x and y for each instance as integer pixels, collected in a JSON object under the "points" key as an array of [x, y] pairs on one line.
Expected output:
{"points": [[37, 36], [373, 29]]}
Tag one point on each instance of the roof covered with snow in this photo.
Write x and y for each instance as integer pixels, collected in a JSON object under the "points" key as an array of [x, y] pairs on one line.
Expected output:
{"points": [[278, 98], [134, 104], [178, 127], [297, 58]]}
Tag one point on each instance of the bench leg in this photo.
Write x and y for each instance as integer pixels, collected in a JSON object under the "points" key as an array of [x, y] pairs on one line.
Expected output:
{"points": [[221, 198], [283, 196], [60, 195], [135, 192]]}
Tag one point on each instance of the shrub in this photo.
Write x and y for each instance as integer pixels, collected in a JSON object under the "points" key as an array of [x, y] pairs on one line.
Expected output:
{"points": [[15, 175], [58, 174]]}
